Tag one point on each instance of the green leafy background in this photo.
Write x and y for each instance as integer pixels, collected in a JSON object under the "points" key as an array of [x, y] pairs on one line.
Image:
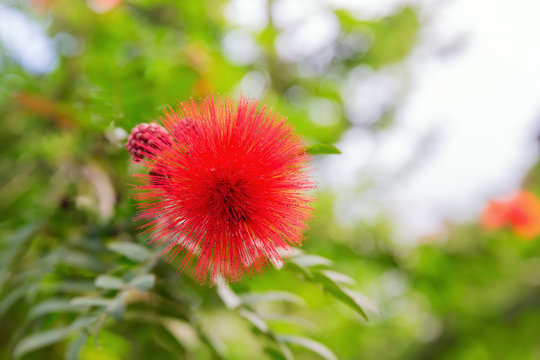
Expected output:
{"points": [[78, 282]]}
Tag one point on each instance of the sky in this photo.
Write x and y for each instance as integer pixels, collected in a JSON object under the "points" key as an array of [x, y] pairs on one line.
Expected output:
{"points": [[471, 115], [26, 41]]}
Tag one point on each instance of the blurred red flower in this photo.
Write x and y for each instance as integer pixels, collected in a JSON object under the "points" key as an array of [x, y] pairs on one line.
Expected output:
{"points": [[103, 6], [521, 211], [228, 194], [40, 5]]}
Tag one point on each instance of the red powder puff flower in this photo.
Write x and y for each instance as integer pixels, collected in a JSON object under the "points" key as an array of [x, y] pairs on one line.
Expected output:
{"points": [[227, 193], [521, 211]]}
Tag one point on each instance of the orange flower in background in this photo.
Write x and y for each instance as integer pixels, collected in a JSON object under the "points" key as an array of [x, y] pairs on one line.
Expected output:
{"points": [[40, 5], [103, 6], [521, 211]]}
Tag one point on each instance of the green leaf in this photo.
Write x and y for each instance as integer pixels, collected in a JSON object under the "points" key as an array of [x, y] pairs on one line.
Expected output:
{"points": [[80, 260], [83, 322], [298, 269], [254, 298], [361, 300], [284, 353], [91, 301], [117, 310], [17, 244], [349, 297], [74, 258], [48, 337], [274, 354], [74, 286], [25, 233], [144, 282], [166, 339], [74, 347], [307, 260], [109, 282], [229, 298], [322, 149], [39, 340], [296, 320], [215, 347], [254, 319], [338, 277], [52, 306], [285, 350], [130, 250], [13, 297], [309, 344]]}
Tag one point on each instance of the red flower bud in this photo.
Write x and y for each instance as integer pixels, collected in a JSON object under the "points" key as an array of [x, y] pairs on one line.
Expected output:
{"points": [[144, 139]]}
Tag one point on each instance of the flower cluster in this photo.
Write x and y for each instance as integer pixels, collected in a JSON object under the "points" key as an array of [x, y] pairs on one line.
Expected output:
{"points": [[227, 192]]}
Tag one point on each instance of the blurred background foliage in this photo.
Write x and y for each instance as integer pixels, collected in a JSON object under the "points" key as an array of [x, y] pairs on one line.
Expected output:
{"points": [[76, 279]]}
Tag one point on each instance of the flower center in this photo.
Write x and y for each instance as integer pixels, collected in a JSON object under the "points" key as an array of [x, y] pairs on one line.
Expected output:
{"points": [[231, 200]]}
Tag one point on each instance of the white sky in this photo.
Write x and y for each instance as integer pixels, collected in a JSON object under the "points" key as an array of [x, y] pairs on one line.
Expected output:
{"points": [[27, 41], [481, 104]]}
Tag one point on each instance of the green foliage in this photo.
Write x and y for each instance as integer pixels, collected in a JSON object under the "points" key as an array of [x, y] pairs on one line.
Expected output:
{"points": [[323, 149], [392, 37], [78, 281]]}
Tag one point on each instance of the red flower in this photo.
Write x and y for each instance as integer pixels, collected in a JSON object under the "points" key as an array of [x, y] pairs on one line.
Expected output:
{"points": [[521, 210], [228, 193]]}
